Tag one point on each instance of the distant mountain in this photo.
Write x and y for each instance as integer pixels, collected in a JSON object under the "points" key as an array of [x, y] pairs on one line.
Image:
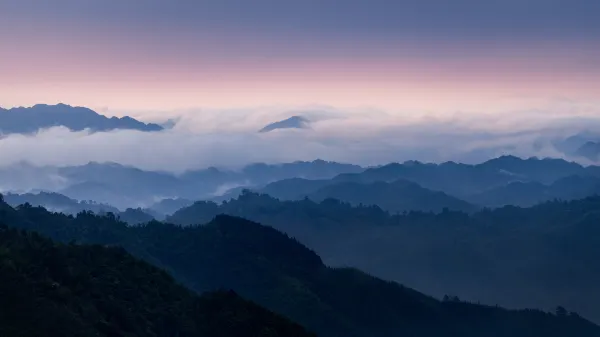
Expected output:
{"points": [[589, 150], [583, 145], [527, 194], [57, 203], [49, 289], [295, 188], [257, 262], [124, 186], [457, 180], [462, 180], [135, 216], [398, 196], [169, 206], [294, 122], [546, 170], [517, 193], [30, 120]]}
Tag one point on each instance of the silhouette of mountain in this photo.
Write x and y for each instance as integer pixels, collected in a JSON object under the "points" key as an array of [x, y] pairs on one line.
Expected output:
{"points": [[295, 188], [397, 196], [582, 145], [57, 203], [294, 122], [169, 206], [531, 193], [30, 120], [135, 216], [462, 180], [517, 193], [278, 272], [516, 257], [123, 186], [68, 290], [128, 187], [589, 150], [467, 182]]}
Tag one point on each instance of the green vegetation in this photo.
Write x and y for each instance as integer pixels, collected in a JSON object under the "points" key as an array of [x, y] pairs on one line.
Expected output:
{"points": [[49, 289], [538, 257], [268, 267]]}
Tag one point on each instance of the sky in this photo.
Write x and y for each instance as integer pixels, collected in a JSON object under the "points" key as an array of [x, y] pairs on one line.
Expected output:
{"points": [[401, 56], [381, 80]]}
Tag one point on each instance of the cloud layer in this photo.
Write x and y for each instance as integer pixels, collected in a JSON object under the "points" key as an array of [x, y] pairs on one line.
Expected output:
{"points": [[368, 137]]}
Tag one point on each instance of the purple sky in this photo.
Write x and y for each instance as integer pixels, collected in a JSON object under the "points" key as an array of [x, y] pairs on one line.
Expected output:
{"points": [[151, 54]]}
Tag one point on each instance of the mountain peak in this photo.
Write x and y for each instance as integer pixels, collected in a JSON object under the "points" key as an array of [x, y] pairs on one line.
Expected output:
{"points": [[294, 122]]}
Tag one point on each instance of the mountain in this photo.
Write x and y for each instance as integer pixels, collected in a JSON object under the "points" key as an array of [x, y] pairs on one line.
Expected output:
{"points": [[582, 145], [30, 120], [515, 257], [458, 180], [397, 196], [546, 170], [276, 271], [531, 193], [49, 289], [262, 173], [169, 206], [589, 150], [294, 122], [517, 193], [295, 188], [57, 203], [462, 180], [129, 187], [135, 216]]}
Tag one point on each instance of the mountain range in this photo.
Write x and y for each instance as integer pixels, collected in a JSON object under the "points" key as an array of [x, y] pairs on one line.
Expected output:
{"points": [[420, 186], [26, 120], [515, 257], [124, 186], [395, 187], [257, 262]]}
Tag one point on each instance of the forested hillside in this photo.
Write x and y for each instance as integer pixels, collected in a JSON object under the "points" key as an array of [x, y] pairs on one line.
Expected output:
{"points": [[278, 272], [541, 256], [49, 289]]}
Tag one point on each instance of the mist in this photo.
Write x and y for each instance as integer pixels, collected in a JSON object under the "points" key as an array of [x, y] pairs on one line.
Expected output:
{"points": [[229, 139]]}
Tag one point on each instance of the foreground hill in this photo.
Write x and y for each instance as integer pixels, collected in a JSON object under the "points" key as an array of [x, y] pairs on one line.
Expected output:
{"points": [[517, 257], [47, 289], [278, 272], [32, 119]]}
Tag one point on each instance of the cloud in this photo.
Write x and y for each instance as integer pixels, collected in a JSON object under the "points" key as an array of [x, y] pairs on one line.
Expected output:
{"points": [[229, 139]]}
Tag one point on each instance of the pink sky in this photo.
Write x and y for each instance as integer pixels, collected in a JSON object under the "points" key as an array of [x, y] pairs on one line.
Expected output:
{"points": [[142, 65]]}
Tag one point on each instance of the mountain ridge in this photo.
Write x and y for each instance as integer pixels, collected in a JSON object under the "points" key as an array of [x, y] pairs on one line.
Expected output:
{"points": [[276, 271], [27, 120]]}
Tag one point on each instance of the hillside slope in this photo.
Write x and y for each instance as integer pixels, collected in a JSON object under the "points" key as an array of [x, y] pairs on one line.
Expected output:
{"points": [[68, 290]]}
